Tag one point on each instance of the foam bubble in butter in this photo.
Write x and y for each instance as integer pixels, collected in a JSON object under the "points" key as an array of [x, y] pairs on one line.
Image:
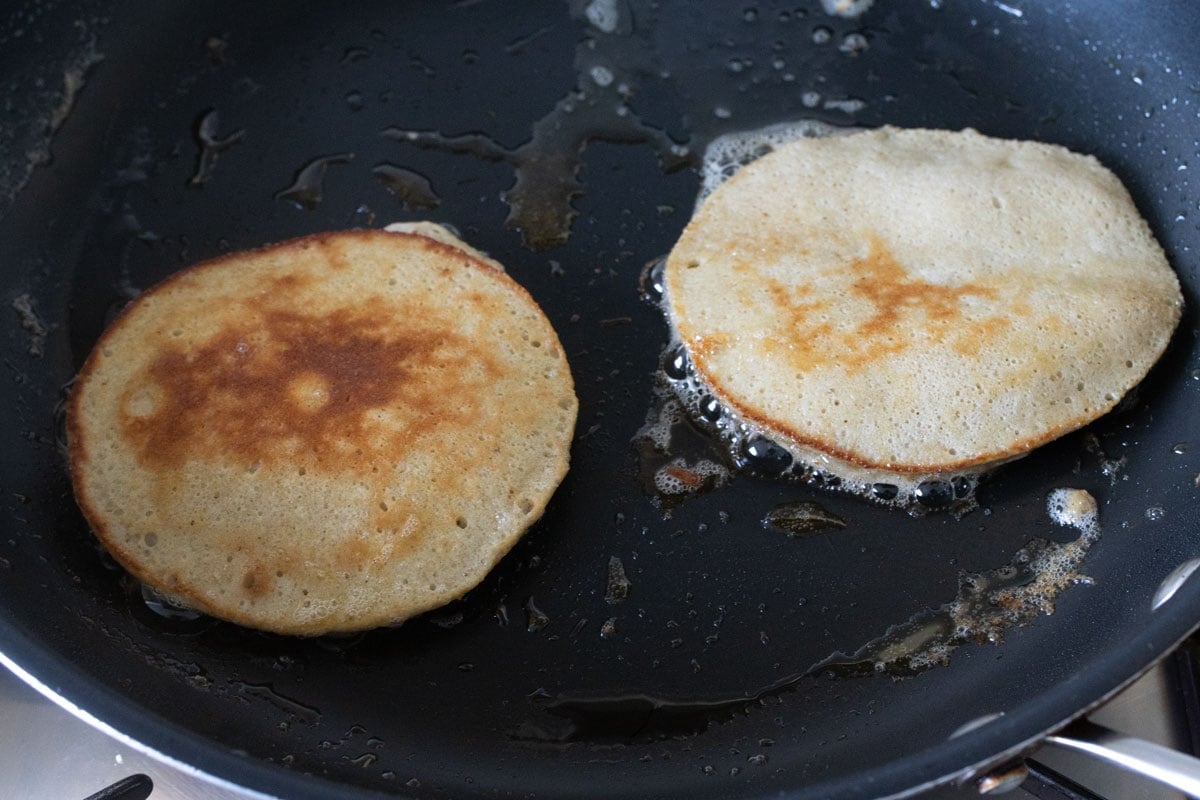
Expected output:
{"points": [[1073, 508]]}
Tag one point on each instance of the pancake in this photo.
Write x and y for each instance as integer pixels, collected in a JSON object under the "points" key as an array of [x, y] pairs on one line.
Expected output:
{"points": [[329, 434], [903, 306]]}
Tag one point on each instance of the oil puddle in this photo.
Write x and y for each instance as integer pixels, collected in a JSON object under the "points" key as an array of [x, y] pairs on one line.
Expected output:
{"points": [[628, 717], [987, 604], [308, 187], [547, 166], [211, 146], [412, 189], [802, 518], [294, 710]]}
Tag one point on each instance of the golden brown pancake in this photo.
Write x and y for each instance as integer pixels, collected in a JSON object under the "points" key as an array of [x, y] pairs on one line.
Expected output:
{"points": [[905, 305], [329, 434]]}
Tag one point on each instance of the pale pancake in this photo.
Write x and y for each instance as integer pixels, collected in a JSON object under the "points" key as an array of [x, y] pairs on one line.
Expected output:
{"points": [[902, 305], [329, 434]]}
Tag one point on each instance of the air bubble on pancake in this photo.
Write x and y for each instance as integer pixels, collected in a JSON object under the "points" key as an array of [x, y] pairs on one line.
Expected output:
{"points": [[710, 408], [885, 491]]}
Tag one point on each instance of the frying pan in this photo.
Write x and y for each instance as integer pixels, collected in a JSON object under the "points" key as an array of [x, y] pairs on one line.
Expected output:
{"points": [[140, 137]]}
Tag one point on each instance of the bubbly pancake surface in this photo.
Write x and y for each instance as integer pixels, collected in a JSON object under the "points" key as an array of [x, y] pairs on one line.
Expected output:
{"points": [[899, 305], [330, 434]]}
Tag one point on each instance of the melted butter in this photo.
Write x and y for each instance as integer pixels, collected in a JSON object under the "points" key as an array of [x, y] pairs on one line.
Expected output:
{"points": [[546, 167], [609, 66], [987, 604]]}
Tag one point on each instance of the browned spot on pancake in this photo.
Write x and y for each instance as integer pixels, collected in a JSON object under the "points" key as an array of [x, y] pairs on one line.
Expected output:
{"points": [[707, 345], [334, 250], [282, 284], [895, 294], [808, 339], [976, 334], [357, 552], [342, 389], [257, 581], [905, 311]]}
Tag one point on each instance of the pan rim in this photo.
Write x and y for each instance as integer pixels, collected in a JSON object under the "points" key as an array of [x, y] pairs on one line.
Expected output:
{"points": [[956, 760]]}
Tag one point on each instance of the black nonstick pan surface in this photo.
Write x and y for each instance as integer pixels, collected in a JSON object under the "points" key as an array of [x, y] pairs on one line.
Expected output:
{"points": [[142, 137]]}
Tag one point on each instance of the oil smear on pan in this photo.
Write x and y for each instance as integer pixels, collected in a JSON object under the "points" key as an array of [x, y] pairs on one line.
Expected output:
{"points": [[607, 62], [986, 605], [988, 602], [31, 322], [36, 114]]}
